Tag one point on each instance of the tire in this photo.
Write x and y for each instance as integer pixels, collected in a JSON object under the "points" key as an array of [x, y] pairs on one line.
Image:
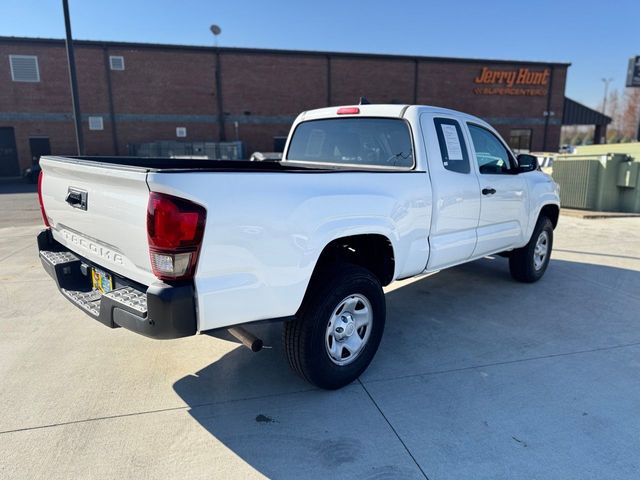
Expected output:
{"points": [[526, 264], [340, 296]]}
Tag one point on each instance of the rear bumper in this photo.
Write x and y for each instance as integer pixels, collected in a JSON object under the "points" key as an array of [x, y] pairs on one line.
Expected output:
{"points": [[159, 311]]}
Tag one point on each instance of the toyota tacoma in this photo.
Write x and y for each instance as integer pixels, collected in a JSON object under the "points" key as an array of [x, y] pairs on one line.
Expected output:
{"points": [[363, 196]]}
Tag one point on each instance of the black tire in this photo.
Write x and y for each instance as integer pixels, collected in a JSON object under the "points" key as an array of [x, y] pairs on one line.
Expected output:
{"points": [[304, 338], [522, 262]]}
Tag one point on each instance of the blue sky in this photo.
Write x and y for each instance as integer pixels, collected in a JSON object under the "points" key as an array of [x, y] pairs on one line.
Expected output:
{"points": [[596, 37]]}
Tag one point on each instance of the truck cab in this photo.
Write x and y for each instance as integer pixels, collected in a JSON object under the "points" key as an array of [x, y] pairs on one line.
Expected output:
{"points": [[484, 198]]}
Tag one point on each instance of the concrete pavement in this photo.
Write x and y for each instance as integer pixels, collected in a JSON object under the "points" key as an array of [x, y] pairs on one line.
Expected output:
{"points": [[477, 377]]}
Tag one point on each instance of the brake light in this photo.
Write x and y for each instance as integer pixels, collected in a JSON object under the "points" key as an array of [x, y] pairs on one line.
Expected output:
{"points": [[348, 110], [42, 211], [175, 228]]}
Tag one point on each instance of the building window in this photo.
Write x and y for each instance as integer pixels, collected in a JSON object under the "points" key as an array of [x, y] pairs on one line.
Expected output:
{"points": [[116, 62], [96, 123], [520, 140], [181, 131], [24, 68]]}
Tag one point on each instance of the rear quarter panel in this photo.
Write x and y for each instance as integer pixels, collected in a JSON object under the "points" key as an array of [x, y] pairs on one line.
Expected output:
{"points": [[266, 231]]}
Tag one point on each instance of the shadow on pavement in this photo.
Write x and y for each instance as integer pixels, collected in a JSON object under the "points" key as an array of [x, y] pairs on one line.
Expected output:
{"points": [[469, 316]]}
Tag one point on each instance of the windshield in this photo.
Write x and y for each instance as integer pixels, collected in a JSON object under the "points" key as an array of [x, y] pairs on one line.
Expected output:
{"points": [[381, 142]]}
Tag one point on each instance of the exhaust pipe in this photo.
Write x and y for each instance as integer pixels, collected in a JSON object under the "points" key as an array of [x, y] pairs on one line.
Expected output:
{"points": [[248, 339]]}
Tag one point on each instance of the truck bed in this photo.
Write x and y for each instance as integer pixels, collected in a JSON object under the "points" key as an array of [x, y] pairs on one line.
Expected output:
{"points": [[266, 226], [168, 165]]}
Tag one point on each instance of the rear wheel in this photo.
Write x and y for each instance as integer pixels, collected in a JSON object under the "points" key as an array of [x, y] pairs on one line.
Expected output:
{"points": [[528, 264], [338, 328]]}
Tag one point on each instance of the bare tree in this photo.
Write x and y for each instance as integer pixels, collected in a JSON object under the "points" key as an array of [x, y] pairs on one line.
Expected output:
{"points": [[630, 114], [613, 111]]}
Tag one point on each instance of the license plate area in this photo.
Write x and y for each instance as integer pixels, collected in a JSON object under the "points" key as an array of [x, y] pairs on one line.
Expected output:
{"points": [[101, 280]]}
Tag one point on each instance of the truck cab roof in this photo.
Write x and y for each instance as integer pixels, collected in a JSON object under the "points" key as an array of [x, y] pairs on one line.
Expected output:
{"points": [[382, 110]]}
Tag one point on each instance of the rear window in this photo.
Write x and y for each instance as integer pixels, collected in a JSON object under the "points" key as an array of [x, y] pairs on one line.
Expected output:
{"points": [[380, 142]]}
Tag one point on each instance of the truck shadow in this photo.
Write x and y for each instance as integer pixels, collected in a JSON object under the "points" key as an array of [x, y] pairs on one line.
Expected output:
{"points": [[469, 316]]}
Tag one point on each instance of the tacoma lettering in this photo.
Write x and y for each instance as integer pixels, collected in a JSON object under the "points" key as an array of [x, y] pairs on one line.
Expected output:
{"points": [[94, 248]]}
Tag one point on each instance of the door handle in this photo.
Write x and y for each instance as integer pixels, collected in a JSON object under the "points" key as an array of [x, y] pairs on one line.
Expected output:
{"points": [[73, 198], [488, 191], [76, 198]]}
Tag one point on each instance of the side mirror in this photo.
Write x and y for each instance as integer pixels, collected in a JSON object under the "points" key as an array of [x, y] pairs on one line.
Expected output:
{"points": [[527, 163]]}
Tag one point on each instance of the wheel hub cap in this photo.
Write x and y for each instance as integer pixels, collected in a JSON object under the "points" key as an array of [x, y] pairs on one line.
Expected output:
{"points": [[344, 328], [348, 329], [541, 250]]}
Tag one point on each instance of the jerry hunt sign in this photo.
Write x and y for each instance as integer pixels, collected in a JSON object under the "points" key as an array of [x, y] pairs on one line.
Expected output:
{"points": [[521, 81]]}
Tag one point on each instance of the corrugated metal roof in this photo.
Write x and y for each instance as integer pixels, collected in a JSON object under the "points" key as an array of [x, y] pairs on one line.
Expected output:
{"points": [[577, 114]]}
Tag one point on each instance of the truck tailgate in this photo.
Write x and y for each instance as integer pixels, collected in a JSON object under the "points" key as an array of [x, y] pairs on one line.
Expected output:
{"points": [[105, 220]]}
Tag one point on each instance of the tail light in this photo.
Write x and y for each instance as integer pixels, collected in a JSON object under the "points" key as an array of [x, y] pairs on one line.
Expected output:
{"points": [[175, 227], [42, 211]]}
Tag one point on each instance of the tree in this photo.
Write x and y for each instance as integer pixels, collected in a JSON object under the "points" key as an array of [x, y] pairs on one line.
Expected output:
{"points": [[630, 113], [613, 109], [613, 136], [567, 133]]}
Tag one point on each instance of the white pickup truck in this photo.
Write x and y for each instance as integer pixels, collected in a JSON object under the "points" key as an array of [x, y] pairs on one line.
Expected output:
{"points": [[364, 195]]}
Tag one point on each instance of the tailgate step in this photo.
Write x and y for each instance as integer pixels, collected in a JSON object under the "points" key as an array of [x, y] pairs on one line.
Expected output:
{"points": [[156, 311], [89, 301], [57, 258], [95, 302], [75, 284], [132, 298]]}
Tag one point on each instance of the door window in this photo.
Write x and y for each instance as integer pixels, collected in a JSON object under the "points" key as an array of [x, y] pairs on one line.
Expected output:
{"points": [[452, 146], [491, 154]]}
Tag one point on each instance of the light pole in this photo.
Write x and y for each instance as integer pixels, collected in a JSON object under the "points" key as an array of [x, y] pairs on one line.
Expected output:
{"points": [[72, 77], [606, 82], [222, 135]]}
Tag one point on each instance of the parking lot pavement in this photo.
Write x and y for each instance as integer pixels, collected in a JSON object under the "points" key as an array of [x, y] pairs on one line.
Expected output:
{"points": [[19, 205], [477, 377]]}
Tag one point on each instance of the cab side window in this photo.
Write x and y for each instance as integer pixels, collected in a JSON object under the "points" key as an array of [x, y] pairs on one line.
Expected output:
{"points": [[492, 156], [452, 146]]}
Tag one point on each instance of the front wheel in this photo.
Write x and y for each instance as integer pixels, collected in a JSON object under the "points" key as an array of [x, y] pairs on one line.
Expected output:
{"points": [[338, 328], [528, 264]]}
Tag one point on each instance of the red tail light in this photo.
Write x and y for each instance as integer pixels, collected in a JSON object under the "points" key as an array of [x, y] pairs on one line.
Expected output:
{"points": [[44, 214], [175, 227], [348, 110]]}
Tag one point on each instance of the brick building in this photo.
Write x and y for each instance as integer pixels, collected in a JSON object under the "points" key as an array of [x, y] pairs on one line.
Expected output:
{"points": [[133, 93]]}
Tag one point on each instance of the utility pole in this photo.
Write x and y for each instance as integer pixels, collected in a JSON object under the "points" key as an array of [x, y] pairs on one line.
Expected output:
{"points": [[72, 78], [222, 134]]}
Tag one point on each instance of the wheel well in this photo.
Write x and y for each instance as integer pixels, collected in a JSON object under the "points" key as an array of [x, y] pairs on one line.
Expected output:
{"points": [[371, 251], [552, 212]]}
